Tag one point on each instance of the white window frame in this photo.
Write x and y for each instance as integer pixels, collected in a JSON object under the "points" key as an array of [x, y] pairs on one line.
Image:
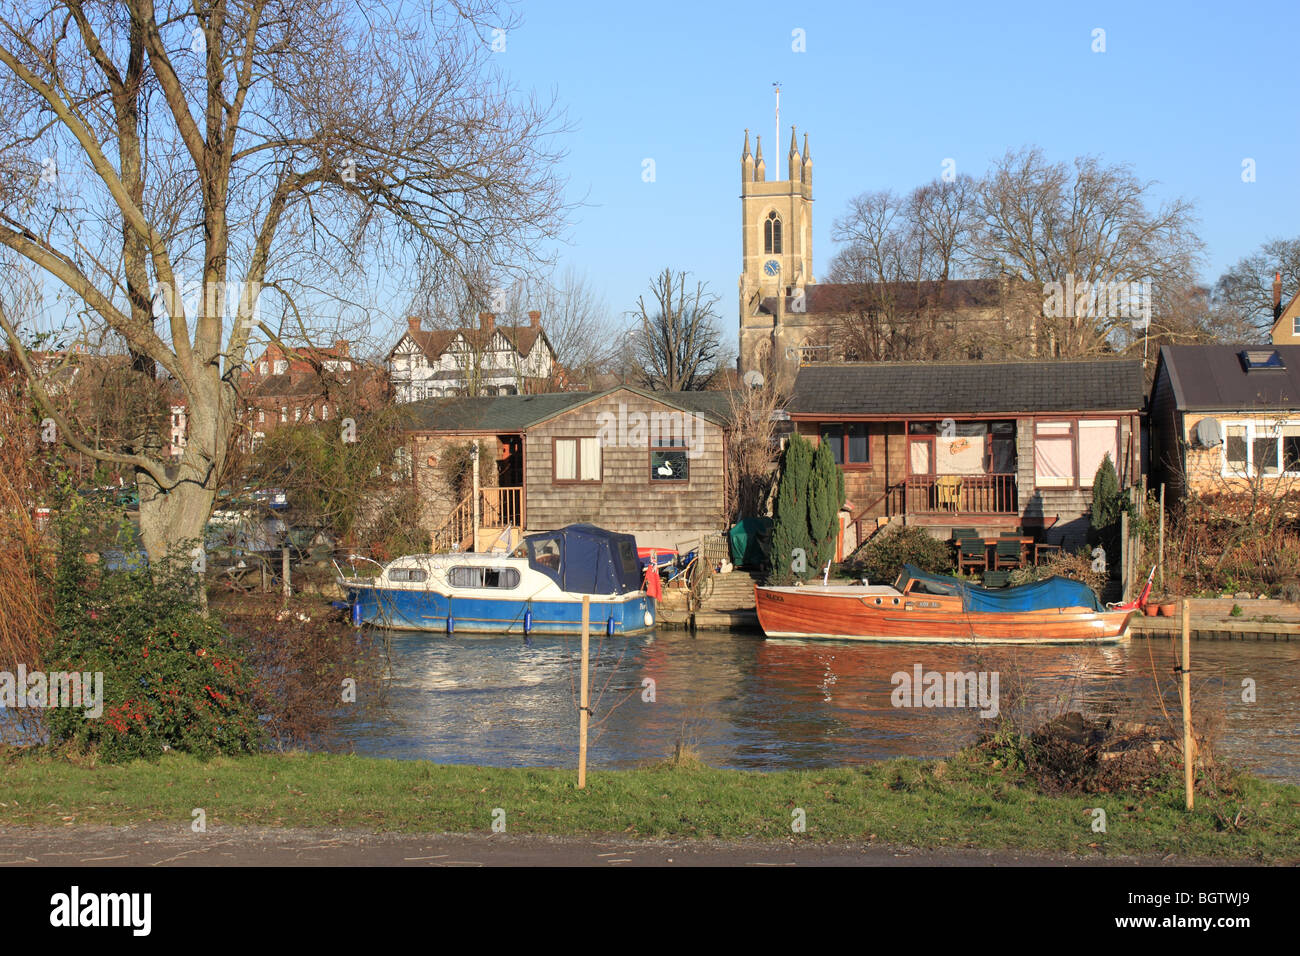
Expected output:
{"points": [[1256, 429]]}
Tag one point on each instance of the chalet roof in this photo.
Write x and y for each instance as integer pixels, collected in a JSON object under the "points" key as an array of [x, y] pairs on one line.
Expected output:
{"points": [[844, 297], [898, 389], [1214, 378], [435, 342], [516, 413]]}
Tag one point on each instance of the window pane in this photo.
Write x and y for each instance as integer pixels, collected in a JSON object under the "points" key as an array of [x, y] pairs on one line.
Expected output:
{"points": [[833, 435], [1235, 448], [1053, 428], [1097, 439], [666, 465], [859, 452], [1266, 455], [589, 459], [566, 459], [1291, 448], [1053, 462]]}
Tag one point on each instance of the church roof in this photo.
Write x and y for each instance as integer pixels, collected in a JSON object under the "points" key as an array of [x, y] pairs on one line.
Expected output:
{"points": [[831, 298], [898, 389]]}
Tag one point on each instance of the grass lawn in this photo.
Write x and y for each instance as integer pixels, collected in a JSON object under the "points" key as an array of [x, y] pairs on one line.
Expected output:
{"points": [[959, 802]]}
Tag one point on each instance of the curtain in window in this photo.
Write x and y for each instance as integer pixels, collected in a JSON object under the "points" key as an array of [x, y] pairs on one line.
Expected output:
{"points": [[566, 459], [1097, 439], [589, 460], [960, 454], [1053, 454]]}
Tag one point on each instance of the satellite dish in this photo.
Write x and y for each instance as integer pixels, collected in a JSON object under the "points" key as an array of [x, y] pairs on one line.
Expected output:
{"points": [[753, 378], [1208, 433]]}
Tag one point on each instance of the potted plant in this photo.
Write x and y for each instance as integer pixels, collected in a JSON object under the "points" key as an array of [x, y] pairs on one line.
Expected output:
{"points": [[1168, 606]]}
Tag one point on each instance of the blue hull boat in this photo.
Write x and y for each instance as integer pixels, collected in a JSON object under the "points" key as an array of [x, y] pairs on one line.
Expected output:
{"points": [[536, 589]]}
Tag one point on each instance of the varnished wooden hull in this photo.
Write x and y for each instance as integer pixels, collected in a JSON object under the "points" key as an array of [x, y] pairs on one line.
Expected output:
{"points": [[838, 614]]}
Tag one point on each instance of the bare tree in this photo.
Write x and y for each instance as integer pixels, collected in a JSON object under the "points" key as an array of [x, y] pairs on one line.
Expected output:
{"points": [[259, 148], [753, 447], [1243, 296], [676, 342], [1089, 224]]}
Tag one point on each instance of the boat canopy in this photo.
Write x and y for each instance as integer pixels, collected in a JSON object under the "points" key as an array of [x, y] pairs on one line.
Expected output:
{"points": [[584, 559], [1055, 592]]}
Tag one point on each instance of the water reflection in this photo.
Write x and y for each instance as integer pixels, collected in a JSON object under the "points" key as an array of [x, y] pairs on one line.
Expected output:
{"points": [[743, 702]]}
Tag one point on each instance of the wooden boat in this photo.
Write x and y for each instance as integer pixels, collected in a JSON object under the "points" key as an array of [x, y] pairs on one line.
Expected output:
{"points": [[928, 608], [537, 588]]}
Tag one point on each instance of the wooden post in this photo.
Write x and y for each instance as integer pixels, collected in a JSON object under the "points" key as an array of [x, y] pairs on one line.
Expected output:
{"points": [[1187, 702], [1124, 550], [474, 464], [1160, 559], [585, 694], [285, 587]]}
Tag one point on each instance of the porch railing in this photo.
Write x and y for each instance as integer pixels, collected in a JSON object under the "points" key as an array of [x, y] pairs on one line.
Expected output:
{"points": [[498, 508], [961, 494]]}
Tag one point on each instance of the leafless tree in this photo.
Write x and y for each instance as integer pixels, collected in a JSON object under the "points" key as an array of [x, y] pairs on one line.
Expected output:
{"points": [[675, 339], [1243, 296], [753, 448], [1043, 222], [258, 148]]}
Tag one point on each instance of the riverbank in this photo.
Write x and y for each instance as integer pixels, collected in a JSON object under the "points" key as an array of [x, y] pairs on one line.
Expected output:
{"points": [[958, 803]]}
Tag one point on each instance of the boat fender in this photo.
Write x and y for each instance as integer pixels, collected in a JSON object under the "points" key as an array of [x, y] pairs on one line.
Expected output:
{"points": [[528, 620], [356, 614], [649, 619], [451, 624], [609, 626]]}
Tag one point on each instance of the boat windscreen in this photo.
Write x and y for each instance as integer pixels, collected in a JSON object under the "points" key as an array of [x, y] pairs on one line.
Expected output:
{"points": [[546, 554]]}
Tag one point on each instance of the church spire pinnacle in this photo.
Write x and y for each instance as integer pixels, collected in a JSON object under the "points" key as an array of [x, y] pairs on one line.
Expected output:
{"points": [[796, 165]]}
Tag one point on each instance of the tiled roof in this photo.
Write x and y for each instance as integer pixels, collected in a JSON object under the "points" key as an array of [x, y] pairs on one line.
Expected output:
{"points": [[1213, 378], [967, 388], [514, 413]]}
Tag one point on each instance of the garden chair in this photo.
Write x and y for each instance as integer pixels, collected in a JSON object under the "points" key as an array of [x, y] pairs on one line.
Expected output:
{"points": [[971, 553], [1007, 554], [996, 579], [947, 492]]}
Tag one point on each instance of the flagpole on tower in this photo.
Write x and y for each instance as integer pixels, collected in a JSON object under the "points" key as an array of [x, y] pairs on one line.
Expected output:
{"points": [[777, 139]]}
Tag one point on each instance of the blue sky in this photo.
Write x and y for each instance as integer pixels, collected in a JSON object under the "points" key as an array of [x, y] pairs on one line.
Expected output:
{"points": [[1183, 92]]}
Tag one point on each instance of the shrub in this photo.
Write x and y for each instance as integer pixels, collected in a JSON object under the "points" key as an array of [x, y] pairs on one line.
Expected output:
{"points": [[881, 558], [790, 531], [172, 679]]}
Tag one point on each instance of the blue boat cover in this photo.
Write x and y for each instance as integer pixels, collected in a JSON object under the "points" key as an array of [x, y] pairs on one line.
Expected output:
{"points": [[584, 559], [1055, 592]]}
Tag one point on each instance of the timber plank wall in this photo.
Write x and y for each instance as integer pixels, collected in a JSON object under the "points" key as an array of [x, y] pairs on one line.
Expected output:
{"points": [[625, 497]]}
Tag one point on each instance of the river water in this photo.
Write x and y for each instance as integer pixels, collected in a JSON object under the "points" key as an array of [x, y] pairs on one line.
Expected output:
{"points": [[742, 702]]}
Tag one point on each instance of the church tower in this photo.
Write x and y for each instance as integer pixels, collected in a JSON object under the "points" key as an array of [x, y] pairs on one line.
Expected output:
{"points": [[776, 248]]}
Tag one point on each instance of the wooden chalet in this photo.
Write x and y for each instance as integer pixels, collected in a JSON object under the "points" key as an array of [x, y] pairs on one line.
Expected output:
{"points": [[989, 445]]}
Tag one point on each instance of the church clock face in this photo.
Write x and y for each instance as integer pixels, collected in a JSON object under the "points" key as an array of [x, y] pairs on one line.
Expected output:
{"points": [[772, 267]]}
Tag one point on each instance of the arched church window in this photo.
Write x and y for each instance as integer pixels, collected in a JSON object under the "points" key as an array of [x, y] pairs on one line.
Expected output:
{"points": [[772, 234]]}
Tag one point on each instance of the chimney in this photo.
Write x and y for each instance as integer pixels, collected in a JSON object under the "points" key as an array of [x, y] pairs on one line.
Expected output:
{"points": [[413, 323], [487, 321], [535, 319], [341, 346], [1277, 296]]}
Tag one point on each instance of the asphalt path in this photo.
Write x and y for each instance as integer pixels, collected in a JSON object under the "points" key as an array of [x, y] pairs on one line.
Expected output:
{"points": [[157, 845]]}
